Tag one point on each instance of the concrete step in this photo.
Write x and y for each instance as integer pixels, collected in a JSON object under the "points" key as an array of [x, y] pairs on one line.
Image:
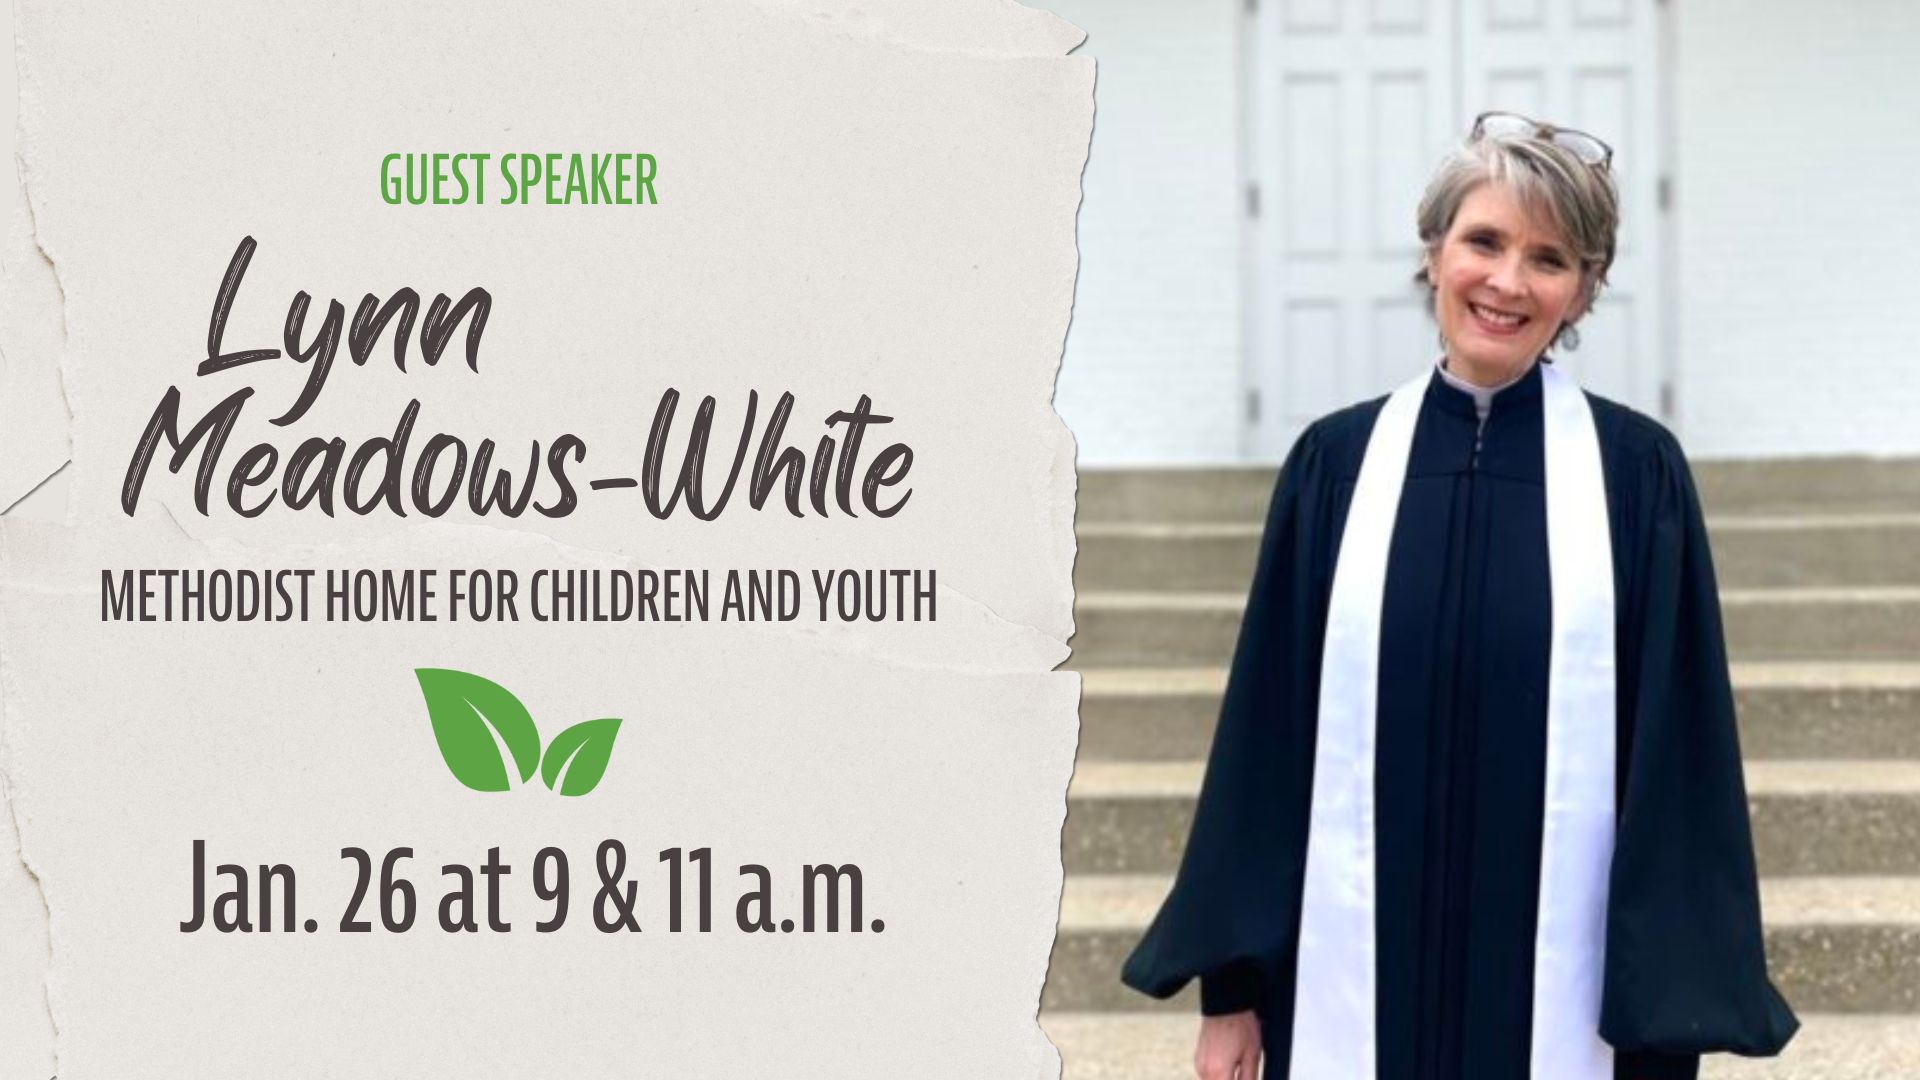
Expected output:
{"points": [[1787, 711], [1835, 945], [1232, 493], [1809, 817], [1240, 493], [1750, 551], [1842, 483], [1829, 1046], [1147, 629]]}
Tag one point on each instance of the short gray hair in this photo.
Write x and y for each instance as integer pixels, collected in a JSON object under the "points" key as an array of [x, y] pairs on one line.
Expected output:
{"points": [[1578, 198]]}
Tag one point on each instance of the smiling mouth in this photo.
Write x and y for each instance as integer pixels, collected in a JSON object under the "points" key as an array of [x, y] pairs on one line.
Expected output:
{"points": [[1499, 321]]}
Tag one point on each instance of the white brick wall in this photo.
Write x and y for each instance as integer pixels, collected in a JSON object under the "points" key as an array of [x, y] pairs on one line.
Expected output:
{"points": [[1798, 202], [1152, 362]]}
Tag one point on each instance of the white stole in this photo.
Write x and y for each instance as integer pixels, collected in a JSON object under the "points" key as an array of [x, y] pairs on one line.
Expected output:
{"points": [[1334, 1030]]}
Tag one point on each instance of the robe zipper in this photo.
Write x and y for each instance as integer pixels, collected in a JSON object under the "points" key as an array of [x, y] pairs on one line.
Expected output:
{"points": [[1460, 764]]}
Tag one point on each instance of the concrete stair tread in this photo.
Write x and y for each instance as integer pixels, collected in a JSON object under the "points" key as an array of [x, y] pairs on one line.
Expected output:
{"points": [[1834, 944], [1215, 530], [1171, 554], [1810, 817], [1806, 710], [1780, 486], [1154, 1046], [1167, 530], [1810, 675], [1811, 522], [1146, 600], [1822, 594], [1152, 682], [1118, 600], [1193, 628], [1128, 901], [1829, 901], [1833, 777], [1181, 779]]}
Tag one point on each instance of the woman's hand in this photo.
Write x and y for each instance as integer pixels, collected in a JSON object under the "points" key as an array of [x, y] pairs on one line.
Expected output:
{"points": [[1229, 1047]]}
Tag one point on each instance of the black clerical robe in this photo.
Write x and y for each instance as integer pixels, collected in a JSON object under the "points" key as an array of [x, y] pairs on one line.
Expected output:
{"points": [[1460, 771]]}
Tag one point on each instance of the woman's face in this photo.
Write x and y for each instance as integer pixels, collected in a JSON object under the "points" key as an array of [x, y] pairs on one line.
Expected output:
{"points": [[1504, 280]]}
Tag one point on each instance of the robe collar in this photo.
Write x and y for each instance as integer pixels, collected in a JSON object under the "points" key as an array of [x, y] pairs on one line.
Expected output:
{"points": [[1518, 396]]}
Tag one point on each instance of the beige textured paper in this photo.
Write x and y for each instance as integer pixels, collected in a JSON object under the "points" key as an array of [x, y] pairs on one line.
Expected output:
{"points": [[33, 444], [33, 411], [854, 200]]}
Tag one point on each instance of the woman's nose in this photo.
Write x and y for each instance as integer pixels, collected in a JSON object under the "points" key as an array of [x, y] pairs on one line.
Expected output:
{"points": [[1505, 278]]}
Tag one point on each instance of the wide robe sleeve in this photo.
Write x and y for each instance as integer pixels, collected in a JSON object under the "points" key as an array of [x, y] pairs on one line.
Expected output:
{"points": [[1686, 964], [1232, 914]]}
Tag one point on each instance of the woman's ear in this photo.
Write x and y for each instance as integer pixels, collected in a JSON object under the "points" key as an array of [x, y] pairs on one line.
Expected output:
{"points": [[1581, 301]]}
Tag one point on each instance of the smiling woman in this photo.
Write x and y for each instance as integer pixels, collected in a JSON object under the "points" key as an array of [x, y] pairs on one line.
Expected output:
{"points": [[1474, 806], [1503, 284], [1519, 235]]}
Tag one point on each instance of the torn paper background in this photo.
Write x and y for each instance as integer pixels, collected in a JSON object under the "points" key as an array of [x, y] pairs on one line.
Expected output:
{"points": [[26, 1027], [33, 444], [33, 410], [854, 201]]}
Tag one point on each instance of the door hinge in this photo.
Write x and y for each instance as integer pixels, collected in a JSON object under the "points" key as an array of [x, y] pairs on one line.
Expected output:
{"points": [[1253, 405], [1666, 192], [1253, 7], [1666, 400], [1253, 199]]}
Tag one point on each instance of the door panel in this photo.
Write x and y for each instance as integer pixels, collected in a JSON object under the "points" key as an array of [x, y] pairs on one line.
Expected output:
{"points": [[1349, 105]]}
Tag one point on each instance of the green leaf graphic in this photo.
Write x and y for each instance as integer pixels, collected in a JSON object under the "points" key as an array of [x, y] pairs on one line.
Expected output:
{"points": [[467, 711], [582, 750]]}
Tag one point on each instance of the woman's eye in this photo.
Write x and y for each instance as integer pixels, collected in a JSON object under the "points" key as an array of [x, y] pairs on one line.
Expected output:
{"points": [[1552, 262], [1482, 241]]}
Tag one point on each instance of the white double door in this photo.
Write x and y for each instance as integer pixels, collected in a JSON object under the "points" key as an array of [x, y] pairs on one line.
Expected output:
{"points": [[1349, 107]]}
